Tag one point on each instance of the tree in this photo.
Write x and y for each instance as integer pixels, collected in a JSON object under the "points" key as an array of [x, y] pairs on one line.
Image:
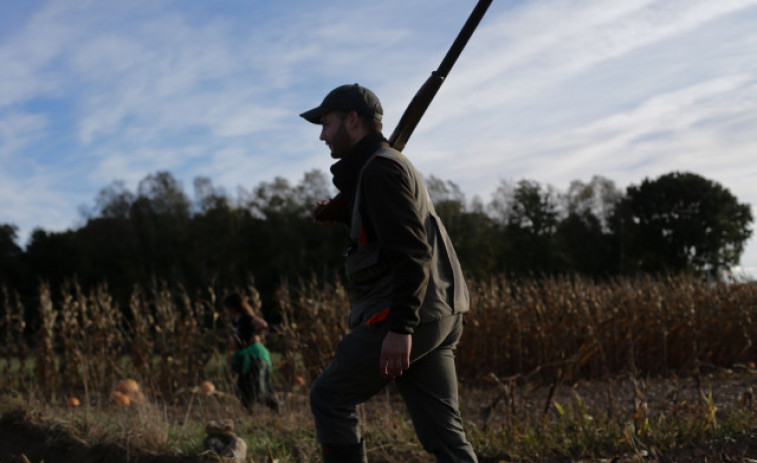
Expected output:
{"points": [[11, 257], [442, 191], [527, 206], [160, 217], [53, 257], [114, 201], [474, 235], [449, 203], [583, 237], [682, 222], [314, 187], [472, 231], [529, 216], [597, 198], [582, 245], [207, 196]]}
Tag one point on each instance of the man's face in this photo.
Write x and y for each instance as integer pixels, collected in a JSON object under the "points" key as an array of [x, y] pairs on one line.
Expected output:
{"points": [[335, 134]]}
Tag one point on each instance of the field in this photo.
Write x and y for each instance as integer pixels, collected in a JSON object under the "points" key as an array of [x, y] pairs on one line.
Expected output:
{"points": [[553, 369]]}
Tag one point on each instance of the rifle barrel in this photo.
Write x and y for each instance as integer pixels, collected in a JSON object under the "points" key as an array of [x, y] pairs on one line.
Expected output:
{"points": [[462, 38], [422, 99]]}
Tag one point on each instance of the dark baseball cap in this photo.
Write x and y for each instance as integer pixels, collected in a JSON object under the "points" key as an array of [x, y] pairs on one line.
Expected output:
{"points": [[347, 98]]}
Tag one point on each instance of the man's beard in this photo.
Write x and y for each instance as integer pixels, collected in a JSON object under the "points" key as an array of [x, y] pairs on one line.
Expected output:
{"points": [[341, 143]]}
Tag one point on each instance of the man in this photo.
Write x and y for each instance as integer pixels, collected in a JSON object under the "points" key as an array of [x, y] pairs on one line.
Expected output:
{"points": [[406, 286]]}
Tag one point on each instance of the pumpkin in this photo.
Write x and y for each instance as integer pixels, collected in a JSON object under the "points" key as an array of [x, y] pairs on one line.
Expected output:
{"points": [[207, 388], [119, 398], [128, 386]]}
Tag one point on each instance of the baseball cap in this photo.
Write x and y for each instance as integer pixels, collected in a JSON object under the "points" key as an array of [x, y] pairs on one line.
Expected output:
{"points": [[347, 98]]}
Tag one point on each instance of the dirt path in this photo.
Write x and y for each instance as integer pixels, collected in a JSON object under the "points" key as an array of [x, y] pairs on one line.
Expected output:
{"points": [[20, 437]]}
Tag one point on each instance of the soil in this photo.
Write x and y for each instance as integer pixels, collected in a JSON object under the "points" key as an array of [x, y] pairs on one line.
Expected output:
{"points": [[725, 387], [22, 440]]}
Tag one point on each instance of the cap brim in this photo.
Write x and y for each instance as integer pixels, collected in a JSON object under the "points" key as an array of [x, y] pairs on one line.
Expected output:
{"points": [[314, 115]]}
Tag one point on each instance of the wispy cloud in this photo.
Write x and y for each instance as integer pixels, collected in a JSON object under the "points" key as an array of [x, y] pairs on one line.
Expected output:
{"points": [[537, 98], [550, 90]]}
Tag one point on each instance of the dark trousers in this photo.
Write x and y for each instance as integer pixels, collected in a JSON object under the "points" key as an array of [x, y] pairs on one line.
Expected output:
{"points": [[257, 386], [428, 387]]}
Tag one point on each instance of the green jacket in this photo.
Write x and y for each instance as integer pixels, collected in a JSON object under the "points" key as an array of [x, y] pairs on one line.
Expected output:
{"points": [[242, 359]]}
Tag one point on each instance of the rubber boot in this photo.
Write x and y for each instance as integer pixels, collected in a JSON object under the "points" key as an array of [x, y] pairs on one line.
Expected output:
{"points": [[334, 453]]}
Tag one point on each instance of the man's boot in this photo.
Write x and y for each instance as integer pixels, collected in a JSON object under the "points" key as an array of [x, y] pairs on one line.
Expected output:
{"points": [[334, 453]]}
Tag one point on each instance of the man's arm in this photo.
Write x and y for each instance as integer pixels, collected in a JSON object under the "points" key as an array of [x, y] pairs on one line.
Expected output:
{"points": [[394, 221], [392, 218]]}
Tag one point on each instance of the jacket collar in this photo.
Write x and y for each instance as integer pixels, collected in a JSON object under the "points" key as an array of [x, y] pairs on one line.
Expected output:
{"points": [[347, 169]]}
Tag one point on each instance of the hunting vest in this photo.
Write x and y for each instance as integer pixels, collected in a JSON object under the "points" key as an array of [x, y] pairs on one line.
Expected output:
{"points": [[370, 278]]}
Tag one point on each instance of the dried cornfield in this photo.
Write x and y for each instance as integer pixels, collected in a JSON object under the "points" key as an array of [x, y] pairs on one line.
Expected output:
{"points": [[544, 329], [85, 342], [569, 328]]}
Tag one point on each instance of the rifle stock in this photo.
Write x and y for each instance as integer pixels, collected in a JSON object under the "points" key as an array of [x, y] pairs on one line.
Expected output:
{"points": [[414, 112], [336, 209]]}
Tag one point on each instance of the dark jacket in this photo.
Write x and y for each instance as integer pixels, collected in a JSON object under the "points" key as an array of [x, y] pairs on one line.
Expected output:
{"points": [[399, 257], [244, 330]]}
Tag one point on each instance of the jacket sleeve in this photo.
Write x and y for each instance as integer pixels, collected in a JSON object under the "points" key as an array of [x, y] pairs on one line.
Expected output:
{"points": [[390, 214]]}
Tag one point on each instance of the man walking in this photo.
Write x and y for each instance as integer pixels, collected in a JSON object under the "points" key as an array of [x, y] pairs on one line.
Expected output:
{"points": [[406, 287]]}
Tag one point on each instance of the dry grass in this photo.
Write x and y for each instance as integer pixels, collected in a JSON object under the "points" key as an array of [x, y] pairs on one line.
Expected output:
{"points": [[570, 328], [587, 420], [530, 357]]}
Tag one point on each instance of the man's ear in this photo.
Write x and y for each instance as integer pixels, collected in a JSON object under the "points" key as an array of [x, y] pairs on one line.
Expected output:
{"points": [[353, 120]]}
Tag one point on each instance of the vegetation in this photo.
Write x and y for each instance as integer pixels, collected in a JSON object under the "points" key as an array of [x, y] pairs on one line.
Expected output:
{"points": [[548, 367], [602, 323], [677, 223], [682, 221]]}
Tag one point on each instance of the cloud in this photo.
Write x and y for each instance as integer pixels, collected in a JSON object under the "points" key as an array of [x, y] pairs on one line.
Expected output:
{"points": [[521, 55], [549, 90], [528, 92], [17, 130]]}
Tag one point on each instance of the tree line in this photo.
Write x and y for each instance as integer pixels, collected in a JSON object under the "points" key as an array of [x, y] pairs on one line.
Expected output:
{"points": [[679, 222]]}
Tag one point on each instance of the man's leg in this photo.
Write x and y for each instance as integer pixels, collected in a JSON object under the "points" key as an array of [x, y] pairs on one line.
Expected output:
{"points": [[352, 378], [429, 388], [268, 394], [244, 390]]}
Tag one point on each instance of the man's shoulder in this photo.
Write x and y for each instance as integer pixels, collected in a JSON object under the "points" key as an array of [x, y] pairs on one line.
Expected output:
{"points": [[386, 151], [383, 166], [387, 158]]}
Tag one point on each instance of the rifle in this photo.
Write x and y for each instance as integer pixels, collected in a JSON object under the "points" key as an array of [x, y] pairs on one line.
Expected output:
{"points": [[336, 208]]}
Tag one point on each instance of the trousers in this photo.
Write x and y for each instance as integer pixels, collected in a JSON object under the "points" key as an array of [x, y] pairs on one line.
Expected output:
{"points": [[428, 388]]}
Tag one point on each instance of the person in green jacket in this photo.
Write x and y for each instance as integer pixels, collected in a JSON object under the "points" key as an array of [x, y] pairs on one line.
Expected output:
{"points": [[407, 290], [251, 361]]}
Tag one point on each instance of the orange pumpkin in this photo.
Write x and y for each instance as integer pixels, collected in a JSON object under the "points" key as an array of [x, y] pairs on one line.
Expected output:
{"points": [[119, 398], [128, 386], [207, 388]]}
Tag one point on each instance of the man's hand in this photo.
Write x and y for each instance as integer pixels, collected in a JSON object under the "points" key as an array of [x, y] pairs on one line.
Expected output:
{"points": [[395, 354], [319, 206]]}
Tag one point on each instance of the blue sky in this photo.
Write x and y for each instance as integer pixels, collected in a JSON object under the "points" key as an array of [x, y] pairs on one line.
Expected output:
{"points": [[547, 90]]}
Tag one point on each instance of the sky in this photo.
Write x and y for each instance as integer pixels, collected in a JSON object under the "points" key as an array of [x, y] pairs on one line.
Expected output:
{"points": [[552, 91]]}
